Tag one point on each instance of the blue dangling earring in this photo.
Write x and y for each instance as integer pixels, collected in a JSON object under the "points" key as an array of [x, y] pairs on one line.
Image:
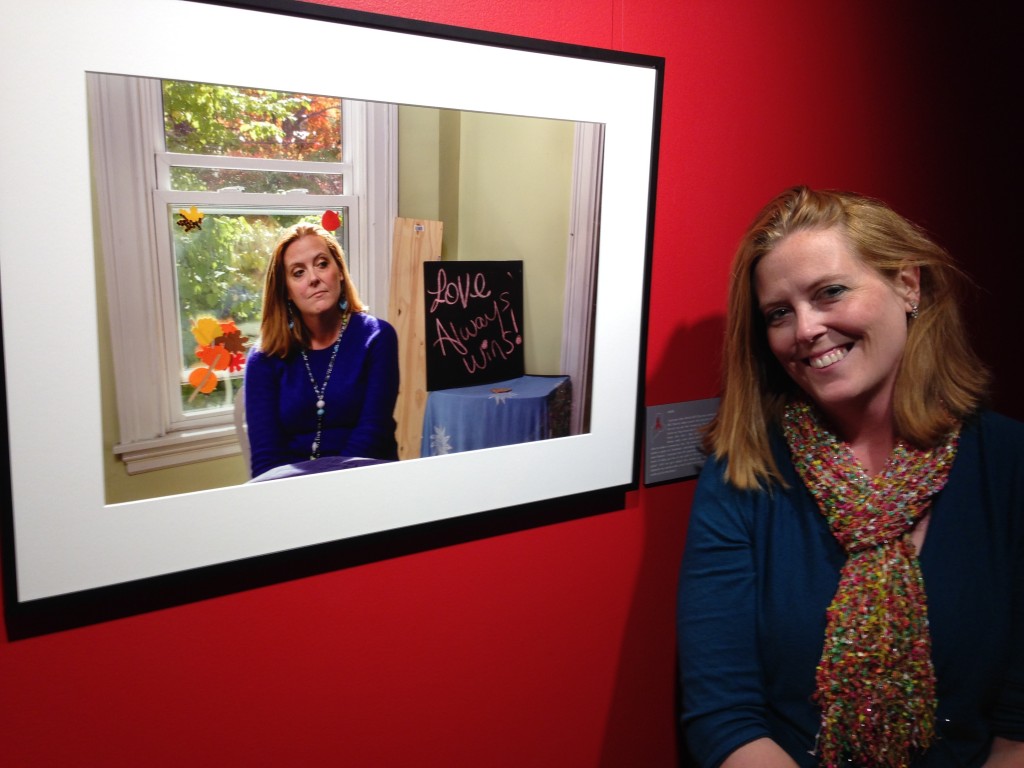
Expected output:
{"points": [[291, 317], [343, 304]]}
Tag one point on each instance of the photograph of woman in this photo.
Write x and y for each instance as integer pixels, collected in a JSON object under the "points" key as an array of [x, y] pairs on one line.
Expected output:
{"points": [[852, 588], [324, 379]]}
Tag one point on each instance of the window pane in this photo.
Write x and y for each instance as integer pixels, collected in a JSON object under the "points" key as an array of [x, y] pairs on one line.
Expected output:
{"points": [[206, 119], [220, 266], [212, 179]]}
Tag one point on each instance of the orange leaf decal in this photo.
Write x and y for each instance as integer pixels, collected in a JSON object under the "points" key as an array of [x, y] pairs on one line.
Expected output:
{"points": [[203, 379], [217, 357]]}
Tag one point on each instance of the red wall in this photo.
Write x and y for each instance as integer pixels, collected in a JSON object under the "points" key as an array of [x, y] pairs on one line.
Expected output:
{"points": [[554, 646]]}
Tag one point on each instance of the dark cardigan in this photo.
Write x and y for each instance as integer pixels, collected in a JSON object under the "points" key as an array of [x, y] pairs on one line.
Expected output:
{"points": [[760, 570]]}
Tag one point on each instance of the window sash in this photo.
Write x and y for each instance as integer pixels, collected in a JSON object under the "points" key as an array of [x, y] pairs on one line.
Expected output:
{"points": [[212, 203], [167, 160]]}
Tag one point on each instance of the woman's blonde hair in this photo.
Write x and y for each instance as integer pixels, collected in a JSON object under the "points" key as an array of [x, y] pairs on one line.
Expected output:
{"points": [[940, 378], [276, 338]]}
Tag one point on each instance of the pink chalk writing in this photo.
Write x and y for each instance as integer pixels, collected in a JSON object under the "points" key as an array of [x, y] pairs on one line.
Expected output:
{"points": [[474, 322], [458, 291]]}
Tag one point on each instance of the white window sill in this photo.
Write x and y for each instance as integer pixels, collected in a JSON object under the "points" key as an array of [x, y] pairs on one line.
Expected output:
{"points": [[178, 449]]}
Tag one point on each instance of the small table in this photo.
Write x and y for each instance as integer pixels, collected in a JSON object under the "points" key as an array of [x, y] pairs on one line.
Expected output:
{"points": [[518, 410]]}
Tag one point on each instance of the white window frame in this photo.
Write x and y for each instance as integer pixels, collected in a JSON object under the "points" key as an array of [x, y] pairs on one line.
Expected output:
{"points": [[128, 153]]}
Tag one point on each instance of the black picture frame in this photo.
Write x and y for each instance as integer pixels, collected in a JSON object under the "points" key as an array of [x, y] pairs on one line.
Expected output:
{"points": [[60, 539]]}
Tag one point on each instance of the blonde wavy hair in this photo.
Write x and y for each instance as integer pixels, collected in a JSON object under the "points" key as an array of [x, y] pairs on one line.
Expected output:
{"points": [[940, 378], [276, 338]]}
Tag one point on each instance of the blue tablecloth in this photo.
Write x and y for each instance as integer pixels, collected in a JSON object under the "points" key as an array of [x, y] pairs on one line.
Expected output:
{"points": [[500, 413]]}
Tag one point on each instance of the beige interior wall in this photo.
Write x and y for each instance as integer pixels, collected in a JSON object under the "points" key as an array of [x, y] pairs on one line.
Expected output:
{"points": [[450, 153], [503, 189], [419, 143], [515, 185]]}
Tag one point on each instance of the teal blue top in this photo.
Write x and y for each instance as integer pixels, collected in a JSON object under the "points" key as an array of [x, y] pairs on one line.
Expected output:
{"points": [[760, 569]]}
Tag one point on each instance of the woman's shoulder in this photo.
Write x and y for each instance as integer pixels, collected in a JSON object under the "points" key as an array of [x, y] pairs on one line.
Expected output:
{"points": [[371, 325], [994, 445], [723, 513], [713, 483], [783, 492], [993, 426], [258, 357]]}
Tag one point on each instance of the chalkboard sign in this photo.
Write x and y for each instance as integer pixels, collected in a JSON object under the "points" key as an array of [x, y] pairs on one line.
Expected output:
{"points": [[474, 317]]}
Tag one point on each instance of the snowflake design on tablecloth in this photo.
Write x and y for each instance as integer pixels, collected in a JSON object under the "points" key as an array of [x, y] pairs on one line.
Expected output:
{"points": [[440, 442], [499, 396]]}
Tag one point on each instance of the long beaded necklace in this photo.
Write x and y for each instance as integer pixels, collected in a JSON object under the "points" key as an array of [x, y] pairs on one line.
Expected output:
{"points": [[321, 391]]}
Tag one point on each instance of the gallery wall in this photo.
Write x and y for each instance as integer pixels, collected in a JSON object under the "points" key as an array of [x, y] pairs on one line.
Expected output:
{"points": [[552, 644]]}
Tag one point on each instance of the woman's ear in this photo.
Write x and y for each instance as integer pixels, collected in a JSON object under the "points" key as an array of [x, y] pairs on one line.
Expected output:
{"points": [[908, 284]]}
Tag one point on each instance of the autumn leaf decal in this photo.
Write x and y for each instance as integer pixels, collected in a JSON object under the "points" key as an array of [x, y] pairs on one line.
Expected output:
{"points": [[215, 356], [205, 330], [221, 346]]}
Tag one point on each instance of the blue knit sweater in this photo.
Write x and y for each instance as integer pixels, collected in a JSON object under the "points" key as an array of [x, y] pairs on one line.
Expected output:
{"points": [[760, 570], [280, 404]]}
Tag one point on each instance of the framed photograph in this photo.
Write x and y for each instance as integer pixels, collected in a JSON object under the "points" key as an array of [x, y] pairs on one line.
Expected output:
{"points": [[63, 534]]}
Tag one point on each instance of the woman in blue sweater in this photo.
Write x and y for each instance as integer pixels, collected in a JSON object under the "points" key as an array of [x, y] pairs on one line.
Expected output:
{"points": [[324, 379], [852, 590]]}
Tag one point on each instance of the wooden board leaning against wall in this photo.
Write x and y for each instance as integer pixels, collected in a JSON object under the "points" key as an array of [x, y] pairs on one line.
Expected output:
{"points": [[415, 241]]}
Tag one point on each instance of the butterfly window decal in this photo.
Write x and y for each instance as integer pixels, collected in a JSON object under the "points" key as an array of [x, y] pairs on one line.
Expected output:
{"points": [[190, 219]]}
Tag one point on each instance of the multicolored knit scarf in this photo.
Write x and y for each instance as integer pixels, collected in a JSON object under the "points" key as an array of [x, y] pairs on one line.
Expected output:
{"points": [[875, 680]]}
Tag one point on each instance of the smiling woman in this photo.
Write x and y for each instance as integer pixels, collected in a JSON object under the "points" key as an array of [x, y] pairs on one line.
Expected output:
{"points": [[838, 327], [850, 589]]}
